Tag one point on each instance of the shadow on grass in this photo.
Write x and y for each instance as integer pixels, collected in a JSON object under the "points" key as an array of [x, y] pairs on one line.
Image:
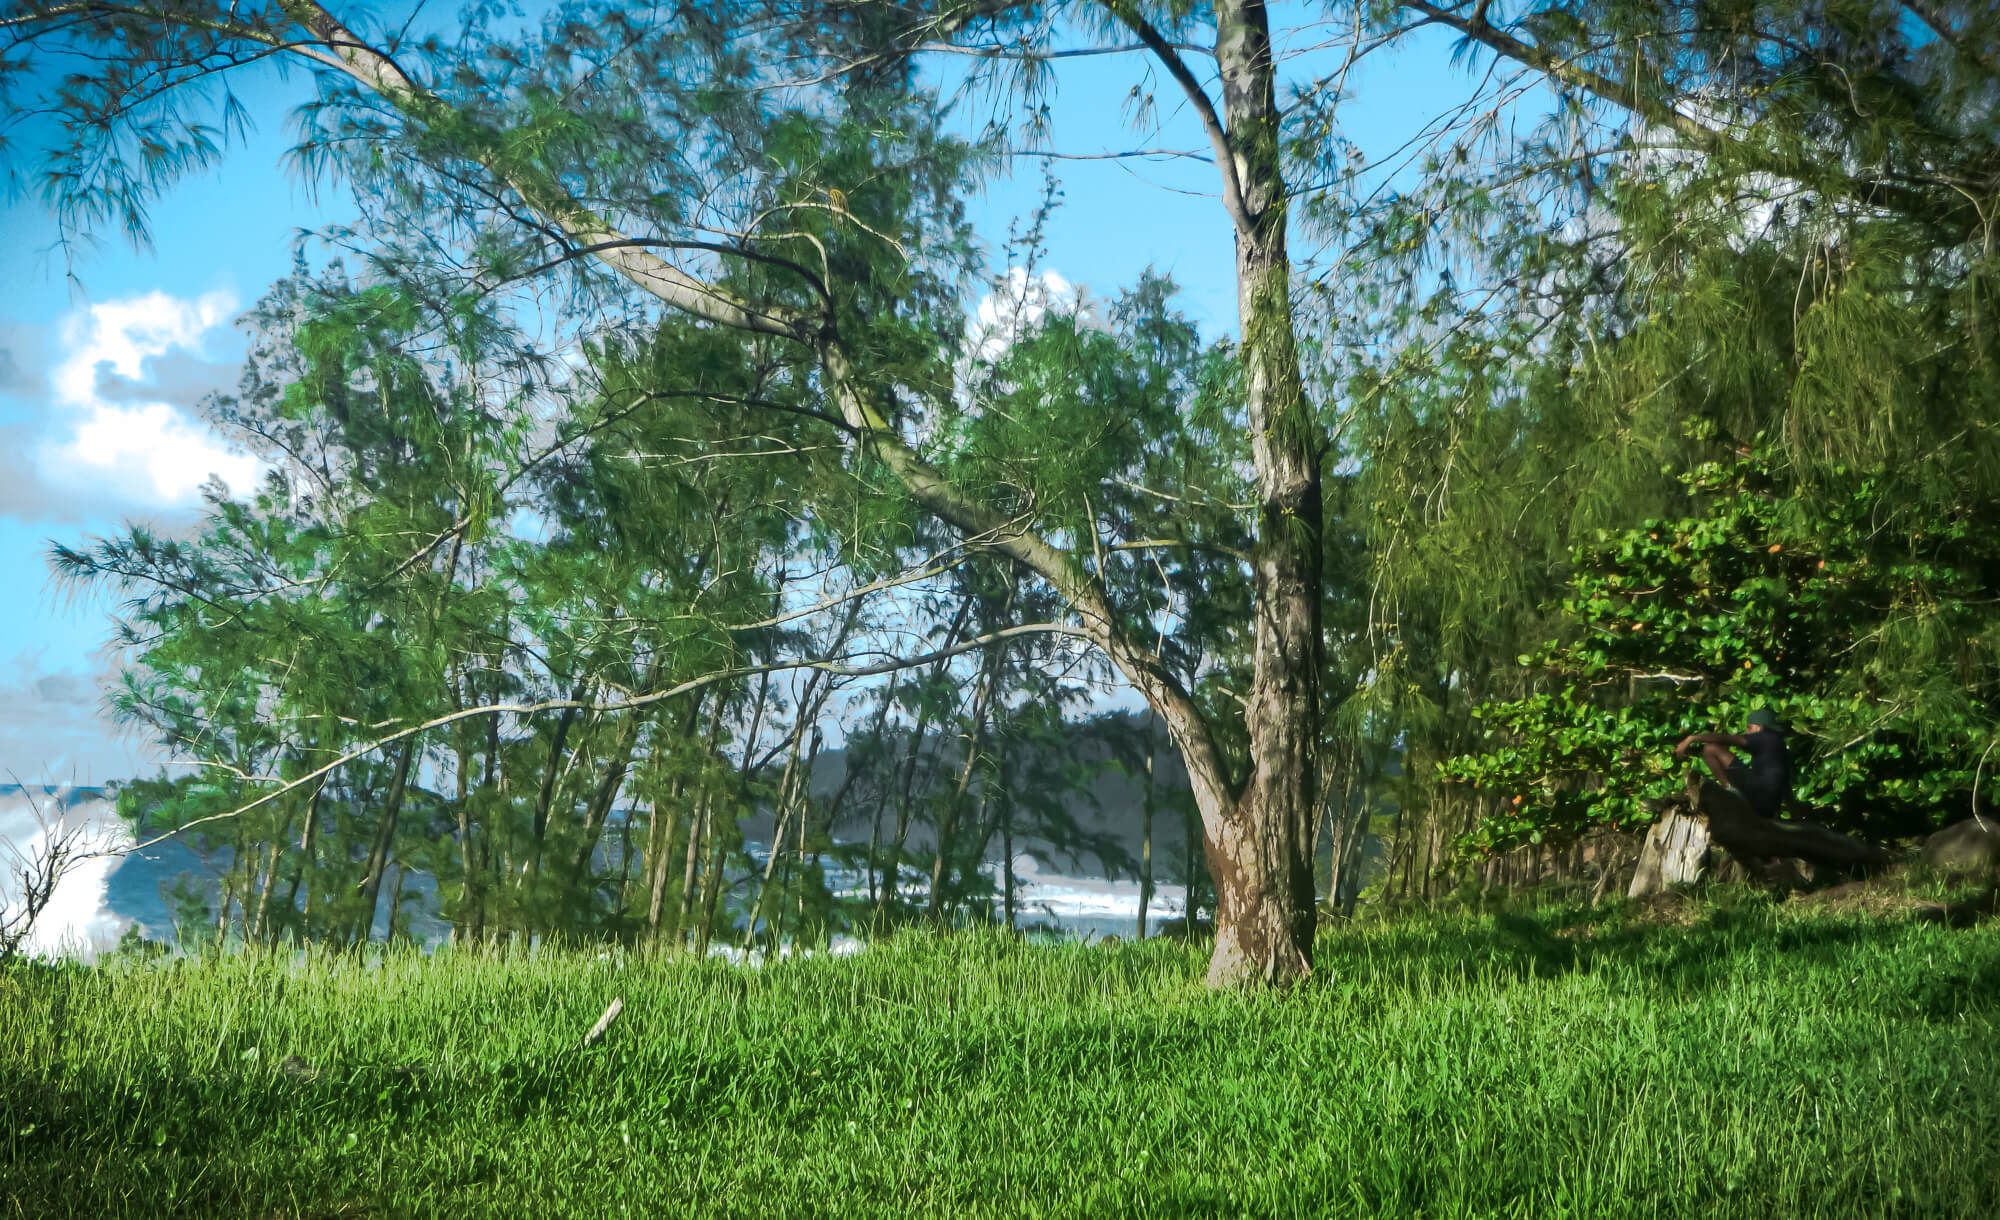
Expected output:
{"points": [[1728, 938]]}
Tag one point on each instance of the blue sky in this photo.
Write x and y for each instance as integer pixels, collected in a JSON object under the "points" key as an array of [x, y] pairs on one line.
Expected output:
{"points": [[100, 378]]}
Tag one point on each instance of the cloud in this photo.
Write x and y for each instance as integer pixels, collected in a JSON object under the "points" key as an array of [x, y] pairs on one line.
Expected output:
{"points": [[1017, 304], [26, 495], [21, 348], [178, 376], [118, 429], [54, 728]]}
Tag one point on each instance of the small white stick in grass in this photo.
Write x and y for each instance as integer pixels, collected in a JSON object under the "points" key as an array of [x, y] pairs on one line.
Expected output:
{"points": [[596, 1033]]}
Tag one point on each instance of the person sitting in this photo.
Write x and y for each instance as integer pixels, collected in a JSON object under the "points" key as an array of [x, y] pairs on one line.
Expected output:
{"points": [[1765, 782]]}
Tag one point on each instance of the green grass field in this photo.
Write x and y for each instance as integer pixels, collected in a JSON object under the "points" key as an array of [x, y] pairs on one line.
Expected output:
{"points": [[1754, 1063]]}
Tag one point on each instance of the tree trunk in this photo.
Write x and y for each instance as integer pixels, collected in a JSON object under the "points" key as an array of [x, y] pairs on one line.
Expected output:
{"points": [[385, 835], [1146, 838], [1258, 848], [1007, 861], [781, 815], [660, 836], [624, 742], [261, 928], [545, 798], [954, 810], [659, 839], [711, 889], [307, 839], [1675, 852]]}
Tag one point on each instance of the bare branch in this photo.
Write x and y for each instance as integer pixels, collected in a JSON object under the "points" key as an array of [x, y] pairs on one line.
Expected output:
{"points": [[1218, 135], [826, 665]]}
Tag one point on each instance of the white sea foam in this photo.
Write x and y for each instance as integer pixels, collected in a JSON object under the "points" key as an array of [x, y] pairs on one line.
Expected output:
{"points": [[77, 922]]}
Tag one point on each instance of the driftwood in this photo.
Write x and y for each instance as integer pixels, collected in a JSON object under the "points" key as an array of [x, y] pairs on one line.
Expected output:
{"points": [[1781, 852], [1969, 849], [597, 1031]]}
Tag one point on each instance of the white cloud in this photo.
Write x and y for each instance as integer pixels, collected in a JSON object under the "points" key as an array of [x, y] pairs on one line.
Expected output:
{"points": [[1016, 306], [116, 429]]}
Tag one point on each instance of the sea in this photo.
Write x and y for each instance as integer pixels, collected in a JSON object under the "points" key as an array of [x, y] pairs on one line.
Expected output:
{"points": [[114, 886]]}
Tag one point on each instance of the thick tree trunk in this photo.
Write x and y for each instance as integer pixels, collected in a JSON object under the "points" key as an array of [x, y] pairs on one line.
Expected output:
{"points": [[1258, 846]]}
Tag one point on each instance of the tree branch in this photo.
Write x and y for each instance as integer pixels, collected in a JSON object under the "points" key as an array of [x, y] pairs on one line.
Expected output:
{"points": [[826, 665], [1218, 135], [1655, 110]]}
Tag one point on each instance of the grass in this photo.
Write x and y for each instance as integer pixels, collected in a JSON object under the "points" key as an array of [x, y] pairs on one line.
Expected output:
{"points": [[1544, 1064]]}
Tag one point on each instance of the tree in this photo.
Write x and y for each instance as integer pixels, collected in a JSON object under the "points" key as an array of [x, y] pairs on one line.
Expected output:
{"points": [[807, 253], [1728, 235], [1805, 608]]}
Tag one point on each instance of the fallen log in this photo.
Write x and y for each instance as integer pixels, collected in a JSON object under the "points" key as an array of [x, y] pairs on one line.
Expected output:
{"points": [[1763, 844]]}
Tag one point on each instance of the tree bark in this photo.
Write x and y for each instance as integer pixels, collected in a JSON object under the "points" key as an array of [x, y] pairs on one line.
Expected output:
{"points": [[1675, 853]]}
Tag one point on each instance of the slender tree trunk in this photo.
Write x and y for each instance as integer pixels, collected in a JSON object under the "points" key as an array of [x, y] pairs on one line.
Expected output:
{"points": [[385, 835], [228, 902], [893, 881], [465, 929], [545, 798], [308, 838], [396, 906], [711, 893], [601, 801], [1007, 861], [948, 822], [1146, 838], [698, 831], [262, 926], [660, 836]]}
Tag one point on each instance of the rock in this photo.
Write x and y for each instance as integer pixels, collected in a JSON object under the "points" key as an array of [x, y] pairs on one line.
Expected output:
{"points": [[1971, 848]]}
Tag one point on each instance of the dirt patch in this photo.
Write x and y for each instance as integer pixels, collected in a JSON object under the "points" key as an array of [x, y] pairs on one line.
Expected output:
{"points": [[1669, 908], [1892, 900]]}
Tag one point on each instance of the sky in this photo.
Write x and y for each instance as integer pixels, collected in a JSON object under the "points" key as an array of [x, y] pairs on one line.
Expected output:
{"points": [[106, 354]]}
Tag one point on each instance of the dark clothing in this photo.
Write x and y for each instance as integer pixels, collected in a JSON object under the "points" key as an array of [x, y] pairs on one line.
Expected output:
{"points": [[1766, 780]]}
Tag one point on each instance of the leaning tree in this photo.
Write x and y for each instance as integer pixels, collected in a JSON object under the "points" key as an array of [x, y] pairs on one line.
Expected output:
{"points": [[600, 137]]}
